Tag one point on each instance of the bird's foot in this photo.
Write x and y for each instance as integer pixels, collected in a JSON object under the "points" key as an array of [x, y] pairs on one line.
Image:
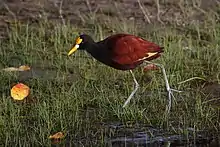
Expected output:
{"points": [[170, 96], [175, 90]]}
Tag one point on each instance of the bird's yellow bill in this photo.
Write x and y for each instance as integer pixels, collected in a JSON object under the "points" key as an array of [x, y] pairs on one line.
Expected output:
{"points": [[73, 49], [78, 41]]}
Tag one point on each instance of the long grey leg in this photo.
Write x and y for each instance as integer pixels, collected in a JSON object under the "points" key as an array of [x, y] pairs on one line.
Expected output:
{"points": [[134, 91], [169, 90]]}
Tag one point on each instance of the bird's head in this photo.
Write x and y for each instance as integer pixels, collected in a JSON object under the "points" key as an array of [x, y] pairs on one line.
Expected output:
{"points": [[81, 43]]}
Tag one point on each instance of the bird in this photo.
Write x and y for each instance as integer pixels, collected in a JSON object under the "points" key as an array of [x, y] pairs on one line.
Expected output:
{"points": [[123, 52]]}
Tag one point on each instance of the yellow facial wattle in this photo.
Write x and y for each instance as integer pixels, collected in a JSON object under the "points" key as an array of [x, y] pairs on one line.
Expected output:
{"points": [[78, 40]]}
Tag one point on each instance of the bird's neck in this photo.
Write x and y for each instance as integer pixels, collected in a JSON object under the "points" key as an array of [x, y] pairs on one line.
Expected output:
{"points": [[98, 51], [92, 48]]}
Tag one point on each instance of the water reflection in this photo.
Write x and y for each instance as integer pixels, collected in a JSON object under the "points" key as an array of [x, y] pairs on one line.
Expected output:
{"points": [[157, 138]]}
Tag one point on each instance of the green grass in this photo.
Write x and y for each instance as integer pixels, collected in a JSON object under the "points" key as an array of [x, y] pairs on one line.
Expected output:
{"points": [[78, 94]]}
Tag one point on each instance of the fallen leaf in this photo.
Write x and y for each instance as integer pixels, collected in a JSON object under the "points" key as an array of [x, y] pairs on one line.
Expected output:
{"points": [[20, 91], [150, 67], [58, 135], [24, 68], [20, 68], [10, 69]]}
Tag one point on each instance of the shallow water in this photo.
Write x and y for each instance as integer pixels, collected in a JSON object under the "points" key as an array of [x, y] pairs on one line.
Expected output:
{"points": [[159, 137]]}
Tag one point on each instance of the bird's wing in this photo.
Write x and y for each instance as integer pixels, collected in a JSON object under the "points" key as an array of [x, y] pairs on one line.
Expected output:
{"points": [[131, 49]]}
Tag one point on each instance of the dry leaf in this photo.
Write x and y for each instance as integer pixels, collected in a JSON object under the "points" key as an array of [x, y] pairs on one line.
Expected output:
{"points": [[58, 135], [21, 68], [20, 91], [24, 68], [10, 69]]}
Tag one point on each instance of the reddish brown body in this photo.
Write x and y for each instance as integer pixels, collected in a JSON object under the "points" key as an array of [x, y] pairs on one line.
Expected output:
{"points": [[120, 51], [123, 52], [128, 51]]}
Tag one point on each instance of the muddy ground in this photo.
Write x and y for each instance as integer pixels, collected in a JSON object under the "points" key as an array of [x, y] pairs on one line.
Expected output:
{"points": [[142, 12]]}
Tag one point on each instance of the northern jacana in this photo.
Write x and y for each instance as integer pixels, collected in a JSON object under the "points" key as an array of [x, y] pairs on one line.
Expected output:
{"points": [[123, 52]]}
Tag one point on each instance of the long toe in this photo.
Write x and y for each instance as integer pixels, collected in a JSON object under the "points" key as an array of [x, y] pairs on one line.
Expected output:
{"points": [[171, 97]]}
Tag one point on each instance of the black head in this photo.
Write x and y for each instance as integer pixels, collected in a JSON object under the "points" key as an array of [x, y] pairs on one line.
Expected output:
{"points": [[81, 43]]}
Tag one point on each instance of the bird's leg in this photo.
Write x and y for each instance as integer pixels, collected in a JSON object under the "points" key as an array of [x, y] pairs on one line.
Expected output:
{"points": [[134, 91], [169, 90]]}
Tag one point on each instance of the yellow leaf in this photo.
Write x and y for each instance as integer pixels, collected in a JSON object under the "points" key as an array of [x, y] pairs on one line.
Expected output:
{"points": [[58, 135], [21, 68], [10, 69], [20, 91], [24, 68]]}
